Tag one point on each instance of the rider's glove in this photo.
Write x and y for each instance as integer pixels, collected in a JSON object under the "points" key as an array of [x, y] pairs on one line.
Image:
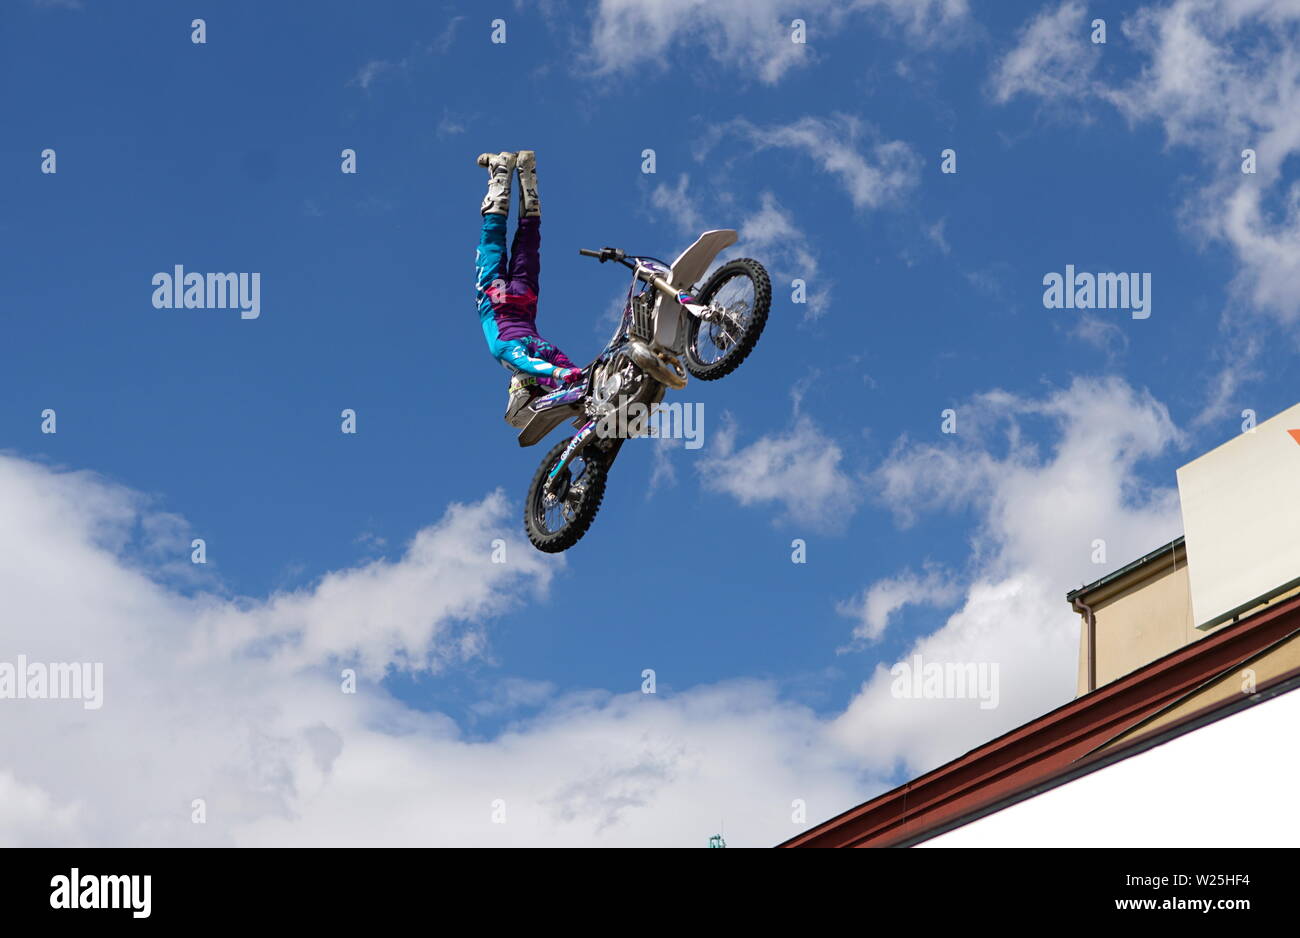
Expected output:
{"points": [[569, 375]]}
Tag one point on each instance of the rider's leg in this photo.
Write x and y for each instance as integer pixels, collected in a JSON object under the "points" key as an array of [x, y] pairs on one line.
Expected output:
{"points": [[526, 250], [525, 264], [523, 388], [490, 266], [525, 270], [501, 169], [491, 259], [529, 204], [490, 273], [536, 363]]}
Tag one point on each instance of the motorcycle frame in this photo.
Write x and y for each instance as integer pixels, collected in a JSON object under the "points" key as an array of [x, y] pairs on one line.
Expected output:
{"points": [[657, 357]]}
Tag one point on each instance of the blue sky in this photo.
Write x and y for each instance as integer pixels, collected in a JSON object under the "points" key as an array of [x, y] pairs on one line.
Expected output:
{"points": [[927, 295]]}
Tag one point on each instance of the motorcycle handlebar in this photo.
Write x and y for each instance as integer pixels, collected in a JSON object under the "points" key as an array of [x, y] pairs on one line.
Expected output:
{"points": [[604, 254]]}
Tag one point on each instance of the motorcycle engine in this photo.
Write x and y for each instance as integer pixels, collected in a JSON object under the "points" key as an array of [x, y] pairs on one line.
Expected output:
{"points": [[615, 379], [605, 385]]}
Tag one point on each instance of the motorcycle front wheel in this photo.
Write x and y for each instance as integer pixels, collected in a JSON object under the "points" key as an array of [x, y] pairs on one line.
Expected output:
{"points": [[741, 294], [557, 519]]}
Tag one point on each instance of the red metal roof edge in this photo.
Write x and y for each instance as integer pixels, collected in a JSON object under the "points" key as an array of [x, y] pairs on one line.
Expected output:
{"points": [[1045, 747]]}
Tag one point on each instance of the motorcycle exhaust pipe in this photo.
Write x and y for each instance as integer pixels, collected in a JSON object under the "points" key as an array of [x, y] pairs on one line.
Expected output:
{"points": [[667, 370]]}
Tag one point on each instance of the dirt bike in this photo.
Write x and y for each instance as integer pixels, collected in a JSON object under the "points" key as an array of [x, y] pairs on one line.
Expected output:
{"points": [[667, 332]]}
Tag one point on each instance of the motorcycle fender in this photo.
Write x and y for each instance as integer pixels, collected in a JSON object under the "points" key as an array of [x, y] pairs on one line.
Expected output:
{"points": [[695, 260]]}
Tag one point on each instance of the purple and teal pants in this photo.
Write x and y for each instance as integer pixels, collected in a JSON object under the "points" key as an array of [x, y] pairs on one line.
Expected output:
{"points": [[507, 299]]}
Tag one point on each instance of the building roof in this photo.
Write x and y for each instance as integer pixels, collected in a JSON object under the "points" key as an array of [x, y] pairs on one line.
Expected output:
{"points": [[1078, 736], [1128, 568]]}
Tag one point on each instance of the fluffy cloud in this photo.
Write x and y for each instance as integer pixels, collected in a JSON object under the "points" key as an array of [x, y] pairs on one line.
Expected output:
{"points": [[238, 702], [1040, 510], [873, 171], [878, 603], [371, 71], [753, 36], [798, 469], [1219, 76], [392, 614], [768, 233], [1053, 56], [681, 206], [629, 769], [1101, 334], [771, 233]]}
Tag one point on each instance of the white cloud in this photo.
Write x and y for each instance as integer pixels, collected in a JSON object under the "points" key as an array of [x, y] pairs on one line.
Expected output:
{"points": [[798, 469], [1102, 334], [1053, 57], [753, 36], [679, 205], [631, 769], [449, 125], [1238, 355], [627, 34], [768, 234], [878, 603], [510, 694], [238, 703], [1220, 76], [444, 39], [29, 817], [663, 470], [771, 234], [1040, 510], [368, 73], [415, 613], [373, 70], [873, 171], [936, 234]]}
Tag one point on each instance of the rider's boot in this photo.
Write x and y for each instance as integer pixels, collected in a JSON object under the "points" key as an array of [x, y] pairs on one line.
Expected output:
{"points": [[529, 204], [500, 167], [523, 388]]}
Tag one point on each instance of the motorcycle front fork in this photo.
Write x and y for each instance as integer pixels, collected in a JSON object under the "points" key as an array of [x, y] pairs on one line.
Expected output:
{"points": [[580, 440], [586, 436]]}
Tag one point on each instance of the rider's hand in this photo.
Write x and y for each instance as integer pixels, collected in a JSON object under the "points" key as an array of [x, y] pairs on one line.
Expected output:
{"points": [[569, 375]]}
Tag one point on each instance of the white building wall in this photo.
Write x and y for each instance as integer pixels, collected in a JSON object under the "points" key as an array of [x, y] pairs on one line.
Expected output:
{"points": [[1229, 784]]}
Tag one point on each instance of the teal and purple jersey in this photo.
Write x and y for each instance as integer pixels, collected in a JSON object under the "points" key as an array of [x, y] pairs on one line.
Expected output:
{"points": [[507, 299]]}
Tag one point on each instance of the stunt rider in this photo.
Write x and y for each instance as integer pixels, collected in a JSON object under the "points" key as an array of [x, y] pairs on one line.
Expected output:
{"points": [[507, 288]]}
